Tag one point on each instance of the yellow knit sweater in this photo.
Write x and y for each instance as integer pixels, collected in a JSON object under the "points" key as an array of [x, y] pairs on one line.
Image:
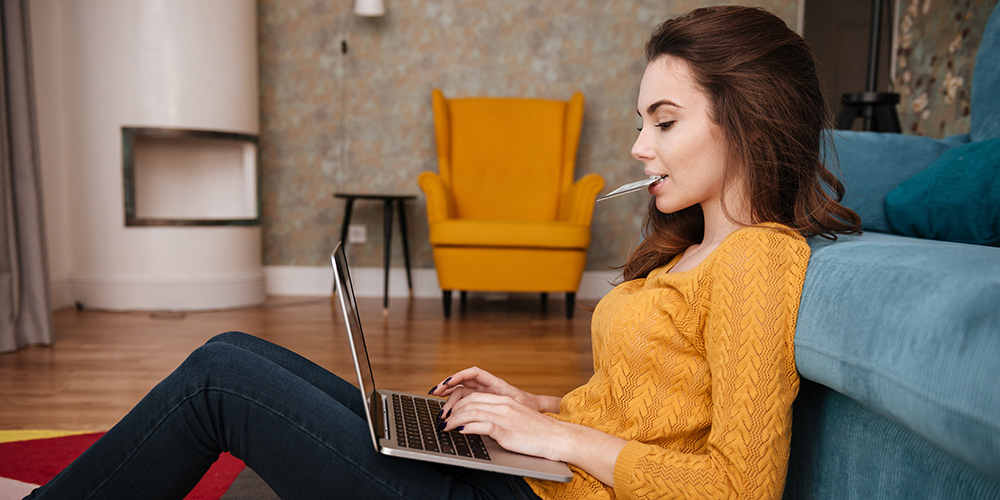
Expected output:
{"points": [[696, 370]]}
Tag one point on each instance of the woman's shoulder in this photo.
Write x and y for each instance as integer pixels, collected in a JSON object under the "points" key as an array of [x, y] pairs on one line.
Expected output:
{"points": [[767, 233], [769, 238]]}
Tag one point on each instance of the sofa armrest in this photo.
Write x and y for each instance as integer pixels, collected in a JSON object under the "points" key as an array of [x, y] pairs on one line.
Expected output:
{"points": [[577, 204], [909, 328], [870, 164], [439, 204]]}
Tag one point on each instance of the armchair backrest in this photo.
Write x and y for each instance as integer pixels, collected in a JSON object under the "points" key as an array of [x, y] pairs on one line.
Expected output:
{"points": [[507, 158], [985, 105]]}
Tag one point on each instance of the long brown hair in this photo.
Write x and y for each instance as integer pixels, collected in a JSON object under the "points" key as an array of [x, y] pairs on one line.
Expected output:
{"points": [[760, 78]]}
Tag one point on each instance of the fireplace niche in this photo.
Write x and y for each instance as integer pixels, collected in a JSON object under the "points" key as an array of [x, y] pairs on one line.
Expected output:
{"points": [[184, 177]]}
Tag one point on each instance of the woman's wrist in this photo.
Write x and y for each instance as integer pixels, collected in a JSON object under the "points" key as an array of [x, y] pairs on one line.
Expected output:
{"points": [[547, 404]]}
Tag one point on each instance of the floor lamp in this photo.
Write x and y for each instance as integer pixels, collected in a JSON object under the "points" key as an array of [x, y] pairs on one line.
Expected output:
{"points": [[876, 109], [363, 8]]}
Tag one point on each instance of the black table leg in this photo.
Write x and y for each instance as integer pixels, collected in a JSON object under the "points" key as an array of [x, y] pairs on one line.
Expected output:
{"points": [[348, 207], [406, 245], [387, 252]]}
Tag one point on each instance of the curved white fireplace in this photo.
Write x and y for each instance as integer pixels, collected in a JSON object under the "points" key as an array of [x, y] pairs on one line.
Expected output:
{"points": [[159, 65]]}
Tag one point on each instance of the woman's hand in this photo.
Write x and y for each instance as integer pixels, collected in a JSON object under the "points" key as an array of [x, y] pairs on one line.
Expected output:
{"points": [[514, 425], [475, 380], [481, 403]]}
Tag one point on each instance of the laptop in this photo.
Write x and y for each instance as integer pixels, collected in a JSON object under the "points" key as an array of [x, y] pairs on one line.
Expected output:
{"points": [[402, 425]]}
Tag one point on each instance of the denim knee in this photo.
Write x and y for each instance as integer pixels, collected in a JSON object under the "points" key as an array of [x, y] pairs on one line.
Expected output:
{"points": [[231, 337], [238, 352], [218, 360]]}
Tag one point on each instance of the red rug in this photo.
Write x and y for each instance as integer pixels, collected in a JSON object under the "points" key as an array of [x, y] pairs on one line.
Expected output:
{"points": [[37, 461]]}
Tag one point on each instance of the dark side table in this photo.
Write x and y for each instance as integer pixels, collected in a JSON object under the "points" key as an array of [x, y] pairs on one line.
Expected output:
{"points": [[388, 200]]}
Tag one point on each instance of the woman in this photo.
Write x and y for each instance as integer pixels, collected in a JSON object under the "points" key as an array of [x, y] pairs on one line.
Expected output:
{"points": [[694, 369], [694, 364]]}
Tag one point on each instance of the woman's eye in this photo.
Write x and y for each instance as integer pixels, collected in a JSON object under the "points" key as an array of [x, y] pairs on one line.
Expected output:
{"points": [[661, 125]]}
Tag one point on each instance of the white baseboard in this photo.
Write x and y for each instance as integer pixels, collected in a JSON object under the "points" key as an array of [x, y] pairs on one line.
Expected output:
{"points": [[306, 281], [368, 282]]}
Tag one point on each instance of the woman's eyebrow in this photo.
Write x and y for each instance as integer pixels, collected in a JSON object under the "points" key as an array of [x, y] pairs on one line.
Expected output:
{"points": [[662, 102]]}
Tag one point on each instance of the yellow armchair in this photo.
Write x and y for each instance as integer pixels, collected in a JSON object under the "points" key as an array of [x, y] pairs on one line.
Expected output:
{"points": [[505, 214]]}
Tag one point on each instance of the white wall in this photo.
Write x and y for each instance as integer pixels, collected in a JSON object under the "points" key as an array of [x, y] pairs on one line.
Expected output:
{"points": [[104, 64]]}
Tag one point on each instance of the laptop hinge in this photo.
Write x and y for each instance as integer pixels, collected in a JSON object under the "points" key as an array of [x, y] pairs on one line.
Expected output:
{"points": [[382, 415]]}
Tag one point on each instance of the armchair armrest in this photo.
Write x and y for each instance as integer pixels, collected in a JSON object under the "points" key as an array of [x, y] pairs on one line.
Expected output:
{"points": [[439, 205], [577, 204]]}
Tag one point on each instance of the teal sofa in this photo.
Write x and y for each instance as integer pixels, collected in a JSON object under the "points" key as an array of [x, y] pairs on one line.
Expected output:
{"points": [[898, 335]]}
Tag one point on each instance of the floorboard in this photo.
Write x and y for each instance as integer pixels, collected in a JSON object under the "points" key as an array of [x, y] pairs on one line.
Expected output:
{"points": [[102, 363]]}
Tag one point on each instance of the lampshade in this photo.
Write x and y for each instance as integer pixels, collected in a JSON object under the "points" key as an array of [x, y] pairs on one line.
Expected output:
{"points": [[369, 8]]}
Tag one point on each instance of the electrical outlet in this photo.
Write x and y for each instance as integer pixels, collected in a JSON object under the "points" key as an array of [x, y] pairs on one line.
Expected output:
{"points": [[357, 233]]}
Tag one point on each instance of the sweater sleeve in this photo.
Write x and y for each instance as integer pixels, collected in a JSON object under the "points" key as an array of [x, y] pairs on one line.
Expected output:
{"points": [[755, 284]]}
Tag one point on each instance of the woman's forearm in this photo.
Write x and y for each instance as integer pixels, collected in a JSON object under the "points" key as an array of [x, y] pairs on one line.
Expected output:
{"points": [[591, 450]]}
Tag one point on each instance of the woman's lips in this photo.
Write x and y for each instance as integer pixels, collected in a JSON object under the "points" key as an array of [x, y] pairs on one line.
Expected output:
{"points": [[659, 178]]}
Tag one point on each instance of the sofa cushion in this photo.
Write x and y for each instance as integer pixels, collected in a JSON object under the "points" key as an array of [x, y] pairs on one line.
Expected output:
{"points": [[510, 233], [956, 198], [911, 329], [870, 164]]}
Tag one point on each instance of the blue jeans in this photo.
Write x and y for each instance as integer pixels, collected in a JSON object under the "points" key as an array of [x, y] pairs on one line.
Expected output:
{"points": [[298, 426]]}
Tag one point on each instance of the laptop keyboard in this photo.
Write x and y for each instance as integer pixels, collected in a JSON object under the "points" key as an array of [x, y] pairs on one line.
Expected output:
{"points": [[415, 419]]}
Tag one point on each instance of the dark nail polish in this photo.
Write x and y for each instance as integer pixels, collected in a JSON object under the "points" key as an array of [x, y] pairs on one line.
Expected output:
{"points": [[432, 390], [440, 426], [440, 414], [459, 428], [449, 413], [447, 380]]}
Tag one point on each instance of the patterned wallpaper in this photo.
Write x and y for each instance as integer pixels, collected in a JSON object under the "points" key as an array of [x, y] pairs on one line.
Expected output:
{"points": [[362, 121], [937, 44]]}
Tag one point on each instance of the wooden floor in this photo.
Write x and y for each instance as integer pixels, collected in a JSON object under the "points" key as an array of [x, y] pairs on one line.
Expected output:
{"points": [[102, 363]]}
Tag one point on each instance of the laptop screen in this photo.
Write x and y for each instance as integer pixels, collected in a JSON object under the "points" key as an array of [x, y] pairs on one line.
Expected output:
{"points": [[349, 306]]}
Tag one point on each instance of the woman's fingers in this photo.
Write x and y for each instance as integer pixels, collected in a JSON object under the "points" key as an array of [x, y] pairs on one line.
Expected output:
{"points": [[455, 396], [470, 377], [471, 406], [476, 380]]}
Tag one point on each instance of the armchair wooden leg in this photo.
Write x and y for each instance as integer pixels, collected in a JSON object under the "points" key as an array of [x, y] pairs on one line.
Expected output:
{"points": [[570, 304], [545, 302], [446, 298], [463, 298]]}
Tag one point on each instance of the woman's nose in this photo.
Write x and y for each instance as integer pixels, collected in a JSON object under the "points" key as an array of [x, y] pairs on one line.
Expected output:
{"points": [[640, 150]]}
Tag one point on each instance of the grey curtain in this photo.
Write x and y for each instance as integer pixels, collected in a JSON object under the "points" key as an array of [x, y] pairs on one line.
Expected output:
{"points": [[25, 317]]}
